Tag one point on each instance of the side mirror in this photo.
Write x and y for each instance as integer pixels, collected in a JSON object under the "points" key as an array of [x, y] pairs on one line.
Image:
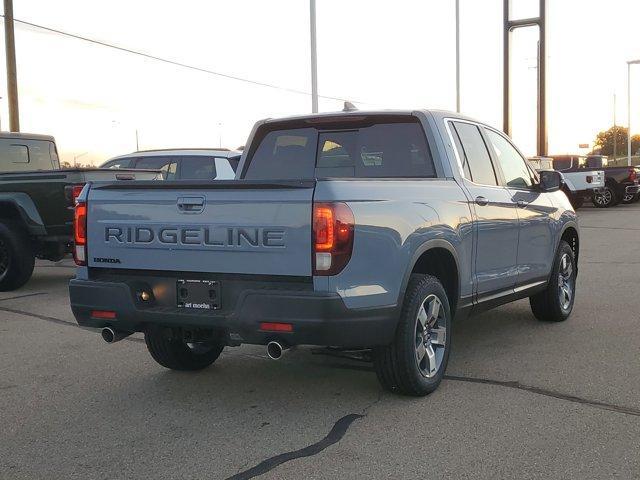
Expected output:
{"points": [[550, 180]]}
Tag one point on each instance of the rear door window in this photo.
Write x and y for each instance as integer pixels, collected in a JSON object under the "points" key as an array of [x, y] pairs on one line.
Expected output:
{"points": [[475, 151]]}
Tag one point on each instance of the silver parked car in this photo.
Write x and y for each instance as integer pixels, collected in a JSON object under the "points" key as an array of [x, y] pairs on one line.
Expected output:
{"points": [[182, 164]]}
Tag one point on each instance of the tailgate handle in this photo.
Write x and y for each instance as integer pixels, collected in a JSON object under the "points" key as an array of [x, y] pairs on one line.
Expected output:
{"points": [[191, 204]]}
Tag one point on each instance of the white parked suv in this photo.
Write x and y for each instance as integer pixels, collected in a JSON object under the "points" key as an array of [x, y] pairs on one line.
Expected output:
{"points": [[182, 164]]}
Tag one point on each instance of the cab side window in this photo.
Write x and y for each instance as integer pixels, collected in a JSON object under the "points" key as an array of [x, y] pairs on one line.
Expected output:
{"points": [[514, 168], [473, 153]]}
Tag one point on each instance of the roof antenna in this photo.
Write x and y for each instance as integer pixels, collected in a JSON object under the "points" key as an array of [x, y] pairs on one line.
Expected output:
{"points": [[349, 107]]}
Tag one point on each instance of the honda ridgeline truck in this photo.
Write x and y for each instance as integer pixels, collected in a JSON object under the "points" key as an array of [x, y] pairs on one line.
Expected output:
{"points": [[355, 230]]}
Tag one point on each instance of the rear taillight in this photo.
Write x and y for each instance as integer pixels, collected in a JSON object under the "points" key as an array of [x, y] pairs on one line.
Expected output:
{"points": [[80, 234], [633, 174], [333, 227]]}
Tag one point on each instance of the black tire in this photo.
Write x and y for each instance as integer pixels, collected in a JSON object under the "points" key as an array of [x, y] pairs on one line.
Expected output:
{"points": [[397, 365], [174, 353], [608, 198], [636, 199], [16, 256], [551, 305]]}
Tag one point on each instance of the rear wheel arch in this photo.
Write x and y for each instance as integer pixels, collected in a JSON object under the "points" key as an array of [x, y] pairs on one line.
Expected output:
{"points": [[439, 259], [18, 207], [570, 235]]}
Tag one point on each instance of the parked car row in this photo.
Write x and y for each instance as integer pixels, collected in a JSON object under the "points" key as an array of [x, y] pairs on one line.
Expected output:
{"points": [[622, 183], [590, 177], [579, 184], [184, 164], [37, 197]]}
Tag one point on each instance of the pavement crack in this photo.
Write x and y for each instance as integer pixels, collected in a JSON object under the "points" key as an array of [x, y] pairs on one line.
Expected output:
{"points": [[334, 436], [22, 296], [548, 393]]}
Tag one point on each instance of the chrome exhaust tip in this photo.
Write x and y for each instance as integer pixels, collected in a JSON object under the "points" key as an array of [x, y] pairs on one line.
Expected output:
{"points": [[110, 335], [275, 350]]}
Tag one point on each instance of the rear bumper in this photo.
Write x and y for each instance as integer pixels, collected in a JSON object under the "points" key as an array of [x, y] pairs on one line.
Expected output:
{"points": [[588, 192], [317, 318]]}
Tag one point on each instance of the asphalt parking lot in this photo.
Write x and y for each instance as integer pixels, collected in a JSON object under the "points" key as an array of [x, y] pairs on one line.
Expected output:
{"points": [[522, 399]]}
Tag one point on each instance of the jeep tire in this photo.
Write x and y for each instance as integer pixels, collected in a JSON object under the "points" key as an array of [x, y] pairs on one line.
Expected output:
{"points": [[16, 256]]}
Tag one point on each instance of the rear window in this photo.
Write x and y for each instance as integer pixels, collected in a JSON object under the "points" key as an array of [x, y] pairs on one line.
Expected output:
{"points": [[380, 150], [197, 168], [22, 154], [562, 164]]}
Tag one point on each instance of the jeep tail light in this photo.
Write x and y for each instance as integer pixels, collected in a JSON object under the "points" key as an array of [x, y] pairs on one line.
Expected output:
{"points": [[333, 227], [72, 192], [80, 234], [632, 174]]}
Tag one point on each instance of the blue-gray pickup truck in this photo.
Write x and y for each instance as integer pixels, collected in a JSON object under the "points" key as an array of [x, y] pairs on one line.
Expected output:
{"points": [[352, 230]]}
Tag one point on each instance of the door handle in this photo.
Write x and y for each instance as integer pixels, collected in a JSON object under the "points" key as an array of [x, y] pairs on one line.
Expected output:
{"points": [[482, 201]]}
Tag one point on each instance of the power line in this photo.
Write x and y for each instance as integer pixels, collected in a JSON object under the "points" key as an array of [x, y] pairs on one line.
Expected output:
{"points": [[179, 64]]}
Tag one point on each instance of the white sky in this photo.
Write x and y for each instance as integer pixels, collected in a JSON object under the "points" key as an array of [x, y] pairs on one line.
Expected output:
{"points": [[389, 54]]}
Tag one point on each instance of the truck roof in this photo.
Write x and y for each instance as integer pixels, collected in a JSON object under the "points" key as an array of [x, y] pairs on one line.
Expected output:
{"points": [[26, 136], [368, 113]]}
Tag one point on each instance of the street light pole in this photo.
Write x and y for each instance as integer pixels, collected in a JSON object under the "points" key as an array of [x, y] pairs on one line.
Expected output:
{"points": [[314, 57], [629, 63], [76, 157]]}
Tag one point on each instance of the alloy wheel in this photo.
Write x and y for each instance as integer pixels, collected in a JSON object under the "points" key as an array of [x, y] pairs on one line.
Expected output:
{"points": [[431, 336], [565, 282], [604, 198]]}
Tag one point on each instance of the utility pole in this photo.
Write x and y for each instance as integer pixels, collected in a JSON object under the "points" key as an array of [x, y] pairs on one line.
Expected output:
{"points": [[314, 57], [137, 145], [458, 56], [509, 26], [629, 63], [12, 79]]}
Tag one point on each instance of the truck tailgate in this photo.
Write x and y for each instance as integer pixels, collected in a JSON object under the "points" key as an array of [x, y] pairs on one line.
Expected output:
{"points": [[216, 227]]}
